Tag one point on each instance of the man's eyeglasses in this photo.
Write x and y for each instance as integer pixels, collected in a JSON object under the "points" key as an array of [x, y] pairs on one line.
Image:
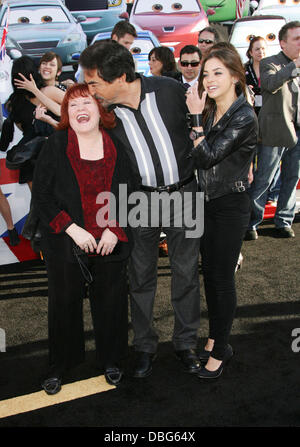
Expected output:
{"points": [[207, 41], [187, 63]]}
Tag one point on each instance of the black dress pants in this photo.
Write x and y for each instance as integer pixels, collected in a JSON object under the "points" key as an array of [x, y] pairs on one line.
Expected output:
{"points": [[109, 310], [225, 223], [185, 293]]}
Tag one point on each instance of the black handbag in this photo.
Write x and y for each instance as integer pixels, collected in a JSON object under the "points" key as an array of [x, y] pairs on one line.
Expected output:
{"points": [[82, 258], [19, 154]]}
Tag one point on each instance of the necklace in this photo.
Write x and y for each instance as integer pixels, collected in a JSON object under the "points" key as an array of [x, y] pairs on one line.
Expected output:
{"points": [[217, 118]]}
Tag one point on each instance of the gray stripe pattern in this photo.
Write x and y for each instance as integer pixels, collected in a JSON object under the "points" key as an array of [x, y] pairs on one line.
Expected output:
{"points": [[139, 146], [161, 138]]}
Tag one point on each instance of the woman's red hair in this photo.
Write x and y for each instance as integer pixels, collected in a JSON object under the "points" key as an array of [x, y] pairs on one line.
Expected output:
{"points": [[107, 119]]}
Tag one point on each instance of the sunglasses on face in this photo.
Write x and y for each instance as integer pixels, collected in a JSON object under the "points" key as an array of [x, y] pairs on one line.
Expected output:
{"points": [[192, 64], [207, 41]]}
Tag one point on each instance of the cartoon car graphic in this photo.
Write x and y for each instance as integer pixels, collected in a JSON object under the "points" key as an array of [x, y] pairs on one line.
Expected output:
{"points": [[289, 9], [223, 10], [174, 23], [247, 27], [97, 16], [38, 26], [276, 3]]}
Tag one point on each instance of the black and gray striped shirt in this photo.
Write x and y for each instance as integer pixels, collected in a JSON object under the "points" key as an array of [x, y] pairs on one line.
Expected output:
{"points": [[156, 136]]}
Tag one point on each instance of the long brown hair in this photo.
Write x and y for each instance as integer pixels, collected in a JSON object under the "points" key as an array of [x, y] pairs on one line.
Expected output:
{"points": [[166, 57], [233, 63], [107, 119]]}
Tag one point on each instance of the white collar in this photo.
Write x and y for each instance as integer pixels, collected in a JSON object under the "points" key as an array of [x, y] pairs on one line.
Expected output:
{"points": [[184, 81]]}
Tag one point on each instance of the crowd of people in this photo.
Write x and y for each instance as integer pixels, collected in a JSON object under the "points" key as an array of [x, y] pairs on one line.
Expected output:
{"points": [[206, 124]]}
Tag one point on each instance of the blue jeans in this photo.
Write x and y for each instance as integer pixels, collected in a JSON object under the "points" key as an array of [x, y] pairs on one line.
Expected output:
{"points": [[268, 161], [273, 192]]}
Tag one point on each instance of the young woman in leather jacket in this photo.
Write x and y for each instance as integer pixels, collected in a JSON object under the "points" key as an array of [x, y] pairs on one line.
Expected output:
{"points": [[224, 130]]}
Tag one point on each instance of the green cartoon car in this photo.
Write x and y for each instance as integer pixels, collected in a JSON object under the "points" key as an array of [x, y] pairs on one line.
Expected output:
{"points": [[223, 10]]}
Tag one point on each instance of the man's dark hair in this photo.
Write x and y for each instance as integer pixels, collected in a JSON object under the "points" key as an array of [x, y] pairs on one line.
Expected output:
{"points": [[212, 30], [284, 30], [190, 49], [110, 59], [123, 27]]}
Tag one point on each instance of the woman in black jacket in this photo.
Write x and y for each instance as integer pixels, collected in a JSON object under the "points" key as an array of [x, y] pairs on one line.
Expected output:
{"points": [[81, 240], [22, 105], [255, 53], [224, 129]]}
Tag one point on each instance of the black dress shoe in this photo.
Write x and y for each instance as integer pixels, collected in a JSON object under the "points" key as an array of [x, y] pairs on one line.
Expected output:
{"points": [[285, 232], [206, 374], [113, 375], [189, 359], [52, 385], [144, 364]]}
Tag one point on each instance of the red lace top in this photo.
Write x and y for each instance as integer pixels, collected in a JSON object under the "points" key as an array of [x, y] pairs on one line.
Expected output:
{"points": [[93, 177]]}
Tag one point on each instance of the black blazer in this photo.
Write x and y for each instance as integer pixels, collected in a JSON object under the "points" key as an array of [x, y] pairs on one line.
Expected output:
{"points": [[55, 189]]}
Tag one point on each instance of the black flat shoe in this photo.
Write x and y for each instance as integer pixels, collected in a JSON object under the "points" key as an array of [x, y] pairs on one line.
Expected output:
{"points": [[189, 360], [113, 375], [206, 374], [52, 385], [144, 364]]}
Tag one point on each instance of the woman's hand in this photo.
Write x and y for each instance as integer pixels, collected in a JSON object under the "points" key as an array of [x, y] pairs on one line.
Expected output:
{"points": [[194, 103], [82, 238], [250, 95], [26, 84], [107, 242], [41, 114], [68, 83], [250, 174]]}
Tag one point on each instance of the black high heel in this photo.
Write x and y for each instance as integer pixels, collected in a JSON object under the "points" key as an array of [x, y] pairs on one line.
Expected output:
{"points": [[206, 374]]}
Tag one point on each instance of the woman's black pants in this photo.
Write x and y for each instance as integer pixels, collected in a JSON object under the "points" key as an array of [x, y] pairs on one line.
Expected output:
{"points": [[225, 222], [109, 310]]}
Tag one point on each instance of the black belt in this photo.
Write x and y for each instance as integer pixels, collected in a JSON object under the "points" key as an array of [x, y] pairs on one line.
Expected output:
{"points": [[168, 188]]}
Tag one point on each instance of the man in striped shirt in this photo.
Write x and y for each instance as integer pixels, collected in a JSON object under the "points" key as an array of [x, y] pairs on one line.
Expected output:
{"points": [[152, 129]]}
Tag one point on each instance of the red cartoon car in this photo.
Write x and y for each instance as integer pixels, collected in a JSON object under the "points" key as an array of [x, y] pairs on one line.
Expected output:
{"points": [[175, 24]]}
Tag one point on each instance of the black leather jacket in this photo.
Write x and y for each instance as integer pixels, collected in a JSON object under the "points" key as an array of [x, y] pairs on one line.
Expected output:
{"points": [[224, 156]]}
